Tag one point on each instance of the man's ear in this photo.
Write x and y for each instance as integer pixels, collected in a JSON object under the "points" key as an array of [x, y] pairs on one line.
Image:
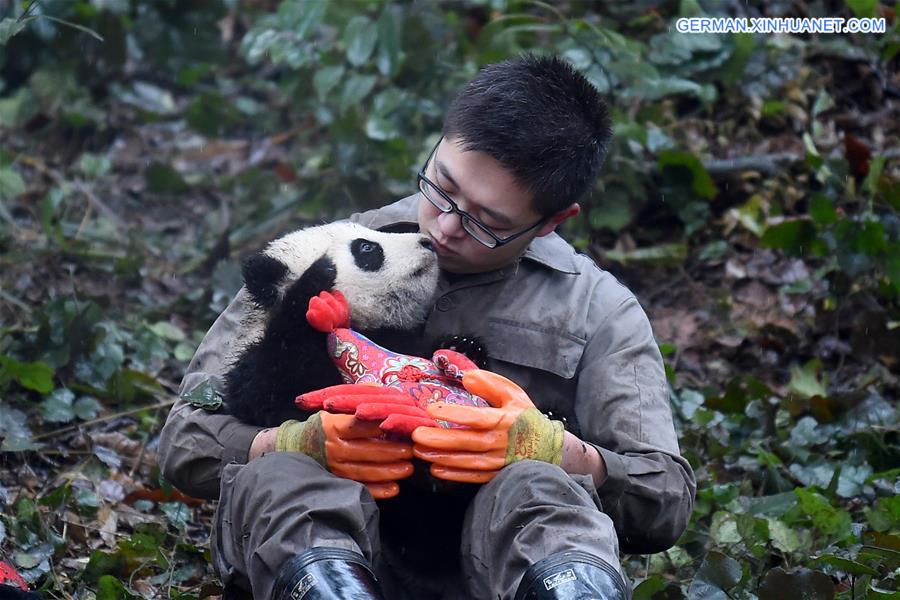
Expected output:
{"points": [[262, 274], [554, 221]]}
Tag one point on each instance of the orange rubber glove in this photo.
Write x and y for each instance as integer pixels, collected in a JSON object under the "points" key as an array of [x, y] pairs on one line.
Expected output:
{"points": [[393, 410], [513, 430], [350, 448]]}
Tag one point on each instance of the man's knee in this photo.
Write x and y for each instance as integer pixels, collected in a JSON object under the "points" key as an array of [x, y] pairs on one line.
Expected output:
{"points": [[535, 482], [281, 469]]}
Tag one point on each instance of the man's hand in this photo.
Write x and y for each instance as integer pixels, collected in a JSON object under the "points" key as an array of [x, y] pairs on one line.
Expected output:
{"points": [[349, 448], [513, 430]]}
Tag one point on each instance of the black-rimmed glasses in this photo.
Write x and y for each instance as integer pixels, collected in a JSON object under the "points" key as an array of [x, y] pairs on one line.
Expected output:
{"points": [[441, 201]]}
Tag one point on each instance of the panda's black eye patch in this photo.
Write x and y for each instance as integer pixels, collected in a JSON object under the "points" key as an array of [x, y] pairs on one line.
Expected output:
{"points": [[369, 256]]}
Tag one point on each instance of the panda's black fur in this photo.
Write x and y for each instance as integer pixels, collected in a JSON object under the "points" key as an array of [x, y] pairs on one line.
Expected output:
{"points": [[284, 357]]}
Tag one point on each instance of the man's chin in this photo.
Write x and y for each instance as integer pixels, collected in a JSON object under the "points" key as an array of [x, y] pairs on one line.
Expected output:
{"points": [[452, 264]]}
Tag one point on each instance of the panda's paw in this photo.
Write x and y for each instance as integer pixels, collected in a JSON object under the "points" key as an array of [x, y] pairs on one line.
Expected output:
{"points": [[470, 346], [328, 311], [452, 363]]}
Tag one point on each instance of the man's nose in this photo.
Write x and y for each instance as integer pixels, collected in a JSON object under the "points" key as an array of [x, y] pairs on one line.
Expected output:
{"points": [[450, 224]]}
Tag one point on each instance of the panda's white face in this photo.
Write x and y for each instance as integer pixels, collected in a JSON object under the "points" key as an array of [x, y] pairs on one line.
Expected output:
{"points": [[389, 279]]}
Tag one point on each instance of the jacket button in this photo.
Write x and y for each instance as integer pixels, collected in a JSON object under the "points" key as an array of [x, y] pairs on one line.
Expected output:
{"points": [[444, 304]]}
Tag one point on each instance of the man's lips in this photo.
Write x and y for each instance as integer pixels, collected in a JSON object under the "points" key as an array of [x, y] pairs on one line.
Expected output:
{"points": [[441, 249]]}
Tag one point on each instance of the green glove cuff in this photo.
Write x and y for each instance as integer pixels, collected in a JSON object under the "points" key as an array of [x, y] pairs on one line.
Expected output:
{"points": [[535, 437], [307, 437]]}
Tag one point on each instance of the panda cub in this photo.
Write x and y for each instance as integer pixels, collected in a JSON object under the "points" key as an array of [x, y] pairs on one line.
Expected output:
{"points": [[389, 280]]}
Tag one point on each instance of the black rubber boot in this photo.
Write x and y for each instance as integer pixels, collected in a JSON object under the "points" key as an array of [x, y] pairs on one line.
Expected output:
{"points": [[571, 576], [326, 574]]}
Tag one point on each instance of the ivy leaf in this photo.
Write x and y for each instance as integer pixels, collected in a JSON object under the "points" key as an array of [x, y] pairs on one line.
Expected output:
{"points": [[167, 331], [163, 179], [845, 565], [13, 430], [10, 27], [702, 184], [355, 89], [203, 396], [389, 53], [325, 79], [360, 37], [716, 576], [177, 513], [37, 376], [805, 381], [783, 537], [802, 584], [86, 408], [57, 407], [11, 184], [834, 522], [110, 588]]}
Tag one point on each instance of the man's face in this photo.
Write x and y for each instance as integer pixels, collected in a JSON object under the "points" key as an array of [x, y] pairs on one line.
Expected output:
{"points": [[481, 187]]}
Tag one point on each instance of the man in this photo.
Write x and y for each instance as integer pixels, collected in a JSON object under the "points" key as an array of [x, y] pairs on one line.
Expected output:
{"points": [[522, 142]]}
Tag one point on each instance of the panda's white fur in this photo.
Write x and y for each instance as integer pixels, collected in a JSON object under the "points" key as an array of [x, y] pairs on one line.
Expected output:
{"points": [[395, 295], [389, 280]]}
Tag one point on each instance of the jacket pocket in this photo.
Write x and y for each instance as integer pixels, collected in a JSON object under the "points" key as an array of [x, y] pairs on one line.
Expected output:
{"points": [[550, 350]]}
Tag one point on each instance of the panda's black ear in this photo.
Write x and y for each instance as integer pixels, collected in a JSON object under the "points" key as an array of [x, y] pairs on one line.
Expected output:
{"points": [[262, 274]]}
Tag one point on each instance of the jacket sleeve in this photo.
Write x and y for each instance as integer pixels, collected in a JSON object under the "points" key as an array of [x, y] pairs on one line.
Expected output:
{"points": [[622, 406], [196, 443]]}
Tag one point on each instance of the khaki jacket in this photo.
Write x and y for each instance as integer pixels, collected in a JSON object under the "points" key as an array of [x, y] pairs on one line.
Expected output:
{"points": [[566, 331]]}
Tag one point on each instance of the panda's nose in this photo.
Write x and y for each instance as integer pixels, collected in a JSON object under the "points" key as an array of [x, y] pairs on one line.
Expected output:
{"points": [[426, 243]]}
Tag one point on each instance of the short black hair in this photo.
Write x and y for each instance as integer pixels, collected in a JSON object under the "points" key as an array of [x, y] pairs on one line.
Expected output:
{"points": [[541, 119]]}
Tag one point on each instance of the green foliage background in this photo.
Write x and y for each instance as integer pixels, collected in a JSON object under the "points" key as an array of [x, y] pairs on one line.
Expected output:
{"points": [[147, 145]]}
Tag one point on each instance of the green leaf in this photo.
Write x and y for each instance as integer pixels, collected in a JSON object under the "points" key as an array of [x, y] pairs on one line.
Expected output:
{"points": [[648, 588], [360, 37], [701, 182], [845, 565], [147, 97], [11, 184], [203, 396], [355, 90], [379, 128], [167, 331], [10, 27], [801, 584], [18, 108], [834, 522], [164, 179], [783, 537], [389, 53], [771, 108], [94, 165], [723, 529], [862, 8], [177, 513], [86, 408], [885, 514], [37, 376], [612, 210], [805, 381], [796, 237], [326, 79], [110, 588], [57, 407], [716, 576], [821, 210], [302, 17]]}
